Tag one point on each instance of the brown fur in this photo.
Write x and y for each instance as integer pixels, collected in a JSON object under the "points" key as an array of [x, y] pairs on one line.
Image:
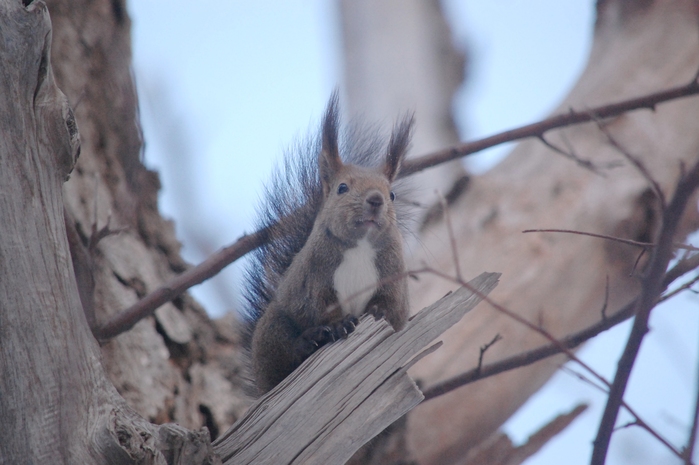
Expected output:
{"points": [[297, 321]]}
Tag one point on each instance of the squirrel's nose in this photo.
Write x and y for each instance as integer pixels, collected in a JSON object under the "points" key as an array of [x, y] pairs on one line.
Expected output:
{"points": [[375, 200]]}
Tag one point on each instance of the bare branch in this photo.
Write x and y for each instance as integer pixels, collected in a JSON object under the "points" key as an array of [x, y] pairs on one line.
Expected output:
{"points": [[587, 164], [635, 161], [682, 288], [484, 348], [537, 129], [650, 292], [676, 245], [198, 274], [527, 358], [560, 346], [537, 328], [600, 236], [452, 238], [571, 341], [688, 450]]}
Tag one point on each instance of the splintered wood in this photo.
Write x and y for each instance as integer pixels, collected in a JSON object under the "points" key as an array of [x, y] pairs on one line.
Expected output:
{"points": [[347, 392]]}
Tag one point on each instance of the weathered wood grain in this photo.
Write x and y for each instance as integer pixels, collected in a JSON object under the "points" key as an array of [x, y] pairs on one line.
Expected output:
{"points": [[45, 382]]}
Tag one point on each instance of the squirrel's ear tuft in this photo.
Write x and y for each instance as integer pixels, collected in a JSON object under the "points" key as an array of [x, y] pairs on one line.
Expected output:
{"points": [[398, 146], [329, 162]]}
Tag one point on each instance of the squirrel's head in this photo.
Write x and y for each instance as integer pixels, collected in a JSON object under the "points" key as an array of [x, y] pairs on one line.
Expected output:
{"points": [[358, 201]]}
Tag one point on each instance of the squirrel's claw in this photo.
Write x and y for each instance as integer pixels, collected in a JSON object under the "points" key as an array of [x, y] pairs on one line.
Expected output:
{"points": [[316, 337], [378, 314], [345, 327]]}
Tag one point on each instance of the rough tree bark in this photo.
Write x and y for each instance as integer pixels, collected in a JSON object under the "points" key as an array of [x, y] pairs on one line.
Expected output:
{"points": [[179, 365], [39, 299], [57, 404], [559, 280]]}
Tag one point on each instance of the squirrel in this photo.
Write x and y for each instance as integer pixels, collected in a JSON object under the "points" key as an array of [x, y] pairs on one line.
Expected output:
{"points": [[333, 251]]}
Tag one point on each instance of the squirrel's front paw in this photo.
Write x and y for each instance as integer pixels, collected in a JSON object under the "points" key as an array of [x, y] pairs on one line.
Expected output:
{"points": [[314, 338], [342, 328]]}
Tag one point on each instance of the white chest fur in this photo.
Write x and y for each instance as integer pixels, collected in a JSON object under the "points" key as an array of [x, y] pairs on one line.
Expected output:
{"points": [[356, 278]]}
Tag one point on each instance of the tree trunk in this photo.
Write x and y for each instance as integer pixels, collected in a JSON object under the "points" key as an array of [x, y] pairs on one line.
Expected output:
{"points": [[48, 384], [179, 365], [57, 404]]}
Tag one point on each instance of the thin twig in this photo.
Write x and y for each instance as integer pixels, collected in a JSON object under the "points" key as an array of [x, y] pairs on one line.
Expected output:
{"points": [[676, 245], [635, 263], [606, 299], [688, 450], [627, 425], [452, 238], [682, 288], [587, 164], [682, 267], [600, 236], [581, 377], [484, 348], [650, 292], [640, 422], [603, 166], [635, 161]]}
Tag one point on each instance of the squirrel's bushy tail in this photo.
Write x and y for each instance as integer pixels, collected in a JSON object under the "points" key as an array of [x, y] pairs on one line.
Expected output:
{"points": [[287, 212]]}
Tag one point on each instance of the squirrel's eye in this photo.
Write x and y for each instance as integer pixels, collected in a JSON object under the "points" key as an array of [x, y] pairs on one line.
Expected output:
{"points": [[393, 196], [342, 188]]}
